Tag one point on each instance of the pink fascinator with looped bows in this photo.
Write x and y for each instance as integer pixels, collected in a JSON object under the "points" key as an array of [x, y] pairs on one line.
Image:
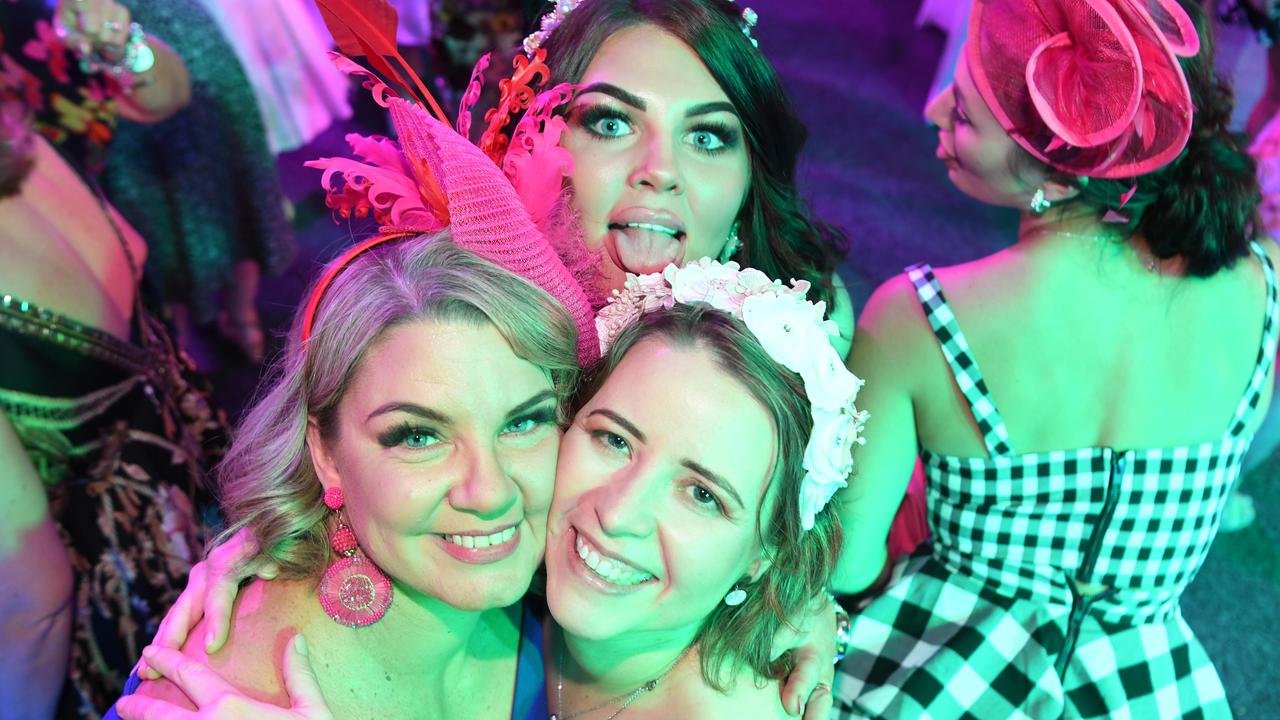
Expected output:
{"points": [[1090, 87], [435, 178]]}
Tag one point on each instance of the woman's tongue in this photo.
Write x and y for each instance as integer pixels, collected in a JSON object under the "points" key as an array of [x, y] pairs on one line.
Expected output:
{"points": [[641, 250]]}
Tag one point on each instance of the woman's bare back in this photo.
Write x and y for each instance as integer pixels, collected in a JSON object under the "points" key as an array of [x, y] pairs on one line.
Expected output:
{"points": [[1082, 346]]}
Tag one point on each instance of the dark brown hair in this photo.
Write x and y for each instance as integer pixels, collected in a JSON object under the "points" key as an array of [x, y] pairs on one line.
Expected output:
{"points": [[779, 236], [800, 562], [1202, 207]]}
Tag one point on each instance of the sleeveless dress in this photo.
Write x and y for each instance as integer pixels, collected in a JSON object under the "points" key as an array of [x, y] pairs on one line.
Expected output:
{"points": [[986, 621], [122, 436], [529, 701]]}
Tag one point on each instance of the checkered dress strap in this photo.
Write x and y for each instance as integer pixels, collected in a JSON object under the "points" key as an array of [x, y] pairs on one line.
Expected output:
{"points": [[965, 369], [1266, 353]]}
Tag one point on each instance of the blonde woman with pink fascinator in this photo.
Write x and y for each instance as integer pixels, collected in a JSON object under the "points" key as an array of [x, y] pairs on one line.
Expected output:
{"points": [[1081, 400]]}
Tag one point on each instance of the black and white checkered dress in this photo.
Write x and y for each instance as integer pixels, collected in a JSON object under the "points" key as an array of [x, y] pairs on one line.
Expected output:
{"points": [[986, 622]]}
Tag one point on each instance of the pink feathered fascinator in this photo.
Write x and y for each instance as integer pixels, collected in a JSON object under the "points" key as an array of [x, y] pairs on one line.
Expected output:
{"points": [[1090, 87], [434, 178]]}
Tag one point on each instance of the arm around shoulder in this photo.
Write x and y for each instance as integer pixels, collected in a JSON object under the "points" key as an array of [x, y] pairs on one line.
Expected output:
{"points": [[891, 333]]}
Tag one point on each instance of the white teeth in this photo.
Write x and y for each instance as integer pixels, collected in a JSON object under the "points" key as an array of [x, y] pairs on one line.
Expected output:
{"points": [[655, 228], [614, 571], [482, 541]]}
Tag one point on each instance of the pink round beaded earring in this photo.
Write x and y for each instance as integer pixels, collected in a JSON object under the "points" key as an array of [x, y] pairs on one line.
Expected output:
{"points": [[353, 591]]}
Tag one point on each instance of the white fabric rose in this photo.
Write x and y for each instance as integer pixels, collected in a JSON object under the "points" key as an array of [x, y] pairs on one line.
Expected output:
{"points": [[753, 282], [652, 290], [785, 325], [828, 460], [827, 382], [706, 281]]}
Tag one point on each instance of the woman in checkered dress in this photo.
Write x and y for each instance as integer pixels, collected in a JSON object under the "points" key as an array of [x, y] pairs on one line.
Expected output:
{"points": [[1082, 433]]}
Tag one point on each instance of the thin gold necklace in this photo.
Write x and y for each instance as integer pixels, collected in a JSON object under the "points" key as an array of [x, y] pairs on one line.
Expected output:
{"points": [[1147, 257], [627, 697]]}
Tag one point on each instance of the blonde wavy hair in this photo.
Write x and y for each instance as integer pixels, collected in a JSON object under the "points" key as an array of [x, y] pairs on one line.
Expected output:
{"points": [[267, 482], [734, 638]]}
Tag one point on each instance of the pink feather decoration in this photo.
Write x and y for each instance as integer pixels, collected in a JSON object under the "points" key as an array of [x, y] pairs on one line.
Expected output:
{"points": [[535, 162]]}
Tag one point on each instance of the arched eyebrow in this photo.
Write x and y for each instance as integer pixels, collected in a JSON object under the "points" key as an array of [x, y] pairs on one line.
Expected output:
{"points": [[635, 101], [712, 107], [615, 92], [438, 417], [715, 479]]}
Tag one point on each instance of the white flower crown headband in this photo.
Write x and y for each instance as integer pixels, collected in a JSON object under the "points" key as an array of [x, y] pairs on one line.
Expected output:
{"points": [[563, 7], [792, 330]]}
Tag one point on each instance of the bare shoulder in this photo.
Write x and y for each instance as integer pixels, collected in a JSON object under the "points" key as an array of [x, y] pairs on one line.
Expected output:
{"points": [[1272, 248], [262, 626], [892, 318]]}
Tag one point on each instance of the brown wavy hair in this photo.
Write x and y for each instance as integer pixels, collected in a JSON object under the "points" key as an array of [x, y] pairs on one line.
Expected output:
{"points": [[800, 562], [1203, 206]]}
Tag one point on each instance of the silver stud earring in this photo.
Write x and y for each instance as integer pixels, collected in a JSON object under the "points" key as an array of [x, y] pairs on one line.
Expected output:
{"points": [[736, 597], [1039, 203], [731, 245]]}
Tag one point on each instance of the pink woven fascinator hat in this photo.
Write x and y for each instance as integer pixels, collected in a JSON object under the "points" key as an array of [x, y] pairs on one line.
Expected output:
{"points": [[1090, 87], [434, 178]]}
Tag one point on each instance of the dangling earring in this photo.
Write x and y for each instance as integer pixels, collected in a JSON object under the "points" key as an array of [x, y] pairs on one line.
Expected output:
{"points": [[353, 591], [736, 596], [732, 245], [1039, 203]]}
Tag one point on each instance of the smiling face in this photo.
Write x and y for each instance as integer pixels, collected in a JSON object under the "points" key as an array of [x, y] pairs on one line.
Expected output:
{"points": [[658, 491], [445, 449], [976, 148], [661, 165]]}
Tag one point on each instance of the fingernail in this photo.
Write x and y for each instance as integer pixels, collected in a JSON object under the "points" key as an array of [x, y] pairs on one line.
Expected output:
{"points": [[300, 643], [148, 652], [208, 641]]}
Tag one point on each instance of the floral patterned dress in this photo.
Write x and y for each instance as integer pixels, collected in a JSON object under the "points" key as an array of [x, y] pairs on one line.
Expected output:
{"points": [[74, 111]]}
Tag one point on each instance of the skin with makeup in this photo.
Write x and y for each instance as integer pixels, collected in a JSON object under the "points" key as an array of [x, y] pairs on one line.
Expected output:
{"points": [[676, 148], [430, 395], [651, 475]]}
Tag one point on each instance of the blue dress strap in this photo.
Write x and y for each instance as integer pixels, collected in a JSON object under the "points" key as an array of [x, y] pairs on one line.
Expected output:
{"points": [[530, 701], [963, 367], [1266, 353], [130, 687]]}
